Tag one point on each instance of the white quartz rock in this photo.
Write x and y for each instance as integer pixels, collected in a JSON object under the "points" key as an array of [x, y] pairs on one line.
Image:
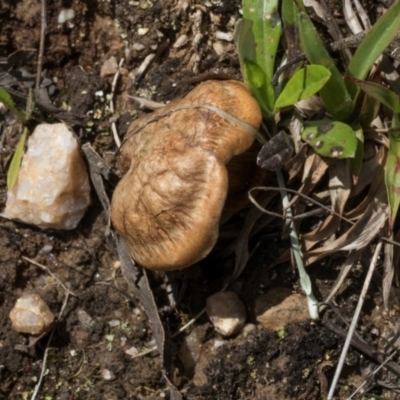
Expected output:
{"points": [[53, 189], [31, 315]]}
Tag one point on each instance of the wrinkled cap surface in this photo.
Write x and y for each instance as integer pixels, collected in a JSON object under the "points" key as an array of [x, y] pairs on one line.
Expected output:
{"points": [[169, 202]]}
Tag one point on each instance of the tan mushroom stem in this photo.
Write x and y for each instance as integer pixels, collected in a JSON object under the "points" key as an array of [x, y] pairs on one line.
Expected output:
{"points": [[168, 204]]}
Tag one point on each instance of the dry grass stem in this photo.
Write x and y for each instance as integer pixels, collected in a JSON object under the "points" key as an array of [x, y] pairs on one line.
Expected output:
{"points": [[181, 329], [43, 267], [113, 124], [46, 351], [373, 374], [41, 45], [354, 320]]}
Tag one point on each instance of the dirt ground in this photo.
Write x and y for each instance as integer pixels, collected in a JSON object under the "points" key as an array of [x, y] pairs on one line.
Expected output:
{"points": [[90, 355]]}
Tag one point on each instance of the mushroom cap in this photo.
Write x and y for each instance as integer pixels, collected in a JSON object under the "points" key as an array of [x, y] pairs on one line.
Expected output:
{"points": [[168, 204]]}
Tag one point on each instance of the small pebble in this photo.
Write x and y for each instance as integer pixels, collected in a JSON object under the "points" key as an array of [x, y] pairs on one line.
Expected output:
{"points": [[51, 89], [224, 36], [31, 315], [46, 82], [181, 41], [65, 15], [107, 375], [133, 351], [109, 67], [218, 48], [189, 351], [46, 249], [138, 46], [218, 343], [142, 31], [248, 328], [226, 312], [137, 312]]}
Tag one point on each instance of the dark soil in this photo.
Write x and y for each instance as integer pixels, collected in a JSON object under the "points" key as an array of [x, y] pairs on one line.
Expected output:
{"points": [[101, 320]]}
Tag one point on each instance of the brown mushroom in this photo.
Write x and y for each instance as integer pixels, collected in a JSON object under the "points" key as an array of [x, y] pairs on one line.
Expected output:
{"points": [[168, 204]]}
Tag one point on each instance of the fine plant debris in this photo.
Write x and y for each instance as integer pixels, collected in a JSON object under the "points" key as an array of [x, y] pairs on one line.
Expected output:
{"points": [[240, 237]]}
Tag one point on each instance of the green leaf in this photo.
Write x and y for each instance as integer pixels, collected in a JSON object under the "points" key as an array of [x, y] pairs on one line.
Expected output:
{"points": [[376, 41], [13, 171], [334, 94], [261, 87], [303, 84], [267, 29], [290, 15], [381, 93], [252, 73], [392, 177], [330, 138], [244, 41], [6, 99]]}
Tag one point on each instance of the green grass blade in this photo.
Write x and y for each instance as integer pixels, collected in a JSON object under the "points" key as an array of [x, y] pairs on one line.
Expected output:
{"points": [[330, 138], [252, 72], [290, 16], [245, 44], [6, 99], [334, 94], [13, 171], [303, 84], [376, 41], [267, 29], [381, 93], [392, 177], [392, 172], [261, 87]]}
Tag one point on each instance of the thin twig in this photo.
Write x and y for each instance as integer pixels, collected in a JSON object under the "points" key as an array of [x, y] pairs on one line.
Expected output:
{"points": [[363, 347], [145, 352], [334, 30], [181, 329], [191, 322], [285, 67], [46, 351], [130, 298], [362, 15], [296, 192], [113, 124], [311, 200], [41, 45], [50, 273], [354, 321], [373, 373], [351, 17]]}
